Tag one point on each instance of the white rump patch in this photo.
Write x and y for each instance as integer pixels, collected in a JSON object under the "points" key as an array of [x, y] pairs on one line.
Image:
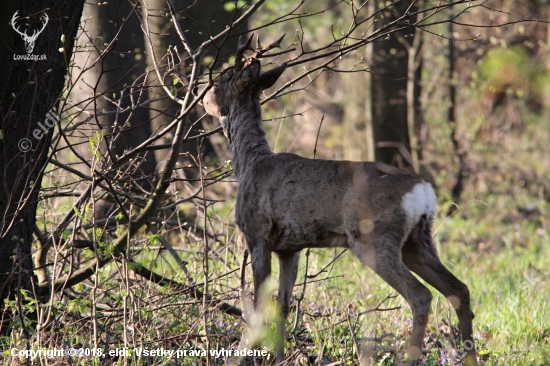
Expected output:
{"points": [[420, 201]]}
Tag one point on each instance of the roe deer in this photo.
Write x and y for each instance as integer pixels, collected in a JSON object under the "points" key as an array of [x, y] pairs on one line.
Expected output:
{"points": [[286, 203]]}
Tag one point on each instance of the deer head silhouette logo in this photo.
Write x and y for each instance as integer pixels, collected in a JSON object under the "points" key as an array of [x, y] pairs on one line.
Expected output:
{"points": [[29, 40]]}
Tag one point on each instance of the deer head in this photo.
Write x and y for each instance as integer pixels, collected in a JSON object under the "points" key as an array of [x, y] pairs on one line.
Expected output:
{"points": [[29, 40], [240, 81]]}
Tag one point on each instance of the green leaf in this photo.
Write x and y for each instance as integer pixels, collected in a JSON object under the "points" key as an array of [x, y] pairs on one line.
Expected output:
{"points": [[230, 6], [77, 213], [155, 239]]}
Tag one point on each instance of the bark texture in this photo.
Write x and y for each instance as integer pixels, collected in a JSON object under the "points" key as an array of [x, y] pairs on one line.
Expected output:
{"points": [[28, 91]]}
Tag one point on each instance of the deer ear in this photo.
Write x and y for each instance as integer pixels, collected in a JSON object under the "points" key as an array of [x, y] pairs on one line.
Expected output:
{"points": [[249, 74], [268, 78]]}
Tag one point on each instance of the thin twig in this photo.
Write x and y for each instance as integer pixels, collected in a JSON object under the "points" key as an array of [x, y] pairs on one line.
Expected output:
{"points": [[317, 138]]}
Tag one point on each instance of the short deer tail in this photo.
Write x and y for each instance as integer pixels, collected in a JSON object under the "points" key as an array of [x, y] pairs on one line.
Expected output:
{"points": [[418, 203]]}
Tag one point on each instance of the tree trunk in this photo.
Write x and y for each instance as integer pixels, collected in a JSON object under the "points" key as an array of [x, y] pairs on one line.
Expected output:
{"points": [[358, 134], [414, 109], [120, 67], [459, 151], [198, 19], [28, 91], [387, 93]]}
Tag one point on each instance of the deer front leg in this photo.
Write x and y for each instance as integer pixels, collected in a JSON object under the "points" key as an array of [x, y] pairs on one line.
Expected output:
{"points": [[288, 269], [261, 268]]}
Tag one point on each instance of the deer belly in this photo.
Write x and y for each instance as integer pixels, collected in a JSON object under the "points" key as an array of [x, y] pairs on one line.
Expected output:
{"points": [[296, 236]]}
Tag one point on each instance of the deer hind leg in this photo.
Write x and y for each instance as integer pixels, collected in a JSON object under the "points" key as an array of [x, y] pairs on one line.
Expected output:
{"points": [[385, 259], [420, 256], [288, 269]]}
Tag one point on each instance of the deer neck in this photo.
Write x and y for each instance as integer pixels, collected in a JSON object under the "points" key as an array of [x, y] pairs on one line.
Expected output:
{"points": [[246, 135]]}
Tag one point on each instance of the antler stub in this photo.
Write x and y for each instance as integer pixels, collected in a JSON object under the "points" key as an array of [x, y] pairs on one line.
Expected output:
{"points": [[258, 52], [261, 50], [239, 64]]}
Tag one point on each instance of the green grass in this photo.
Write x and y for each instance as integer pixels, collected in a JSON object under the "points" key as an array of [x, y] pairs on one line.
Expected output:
{"points": [[510, 284], [509, 288], [492, 244]]}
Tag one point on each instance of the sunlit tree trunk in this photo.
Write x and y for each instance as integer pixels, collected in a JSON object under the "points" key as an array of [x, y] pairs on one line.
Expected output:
{"points": [[198, 19], [108, 77], [358, 133]]}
